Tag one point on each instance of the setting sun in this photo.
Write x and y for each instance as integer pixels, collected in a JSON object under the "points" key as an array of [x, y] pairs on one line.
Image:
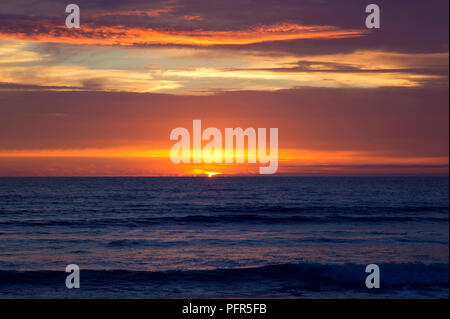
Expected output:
{"points": [[211, 174], [199, 172]]}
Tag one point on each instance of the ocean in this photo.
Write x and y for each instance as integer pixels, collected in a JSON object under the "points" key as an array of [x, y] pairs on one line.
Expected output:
{"points": [[226, 237]]}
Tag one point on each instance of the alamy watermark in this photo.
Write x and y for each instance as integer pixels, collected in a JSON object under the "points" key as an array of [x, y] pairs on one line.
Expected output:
{"points": [[73, 280], [73, 19], [373, 280], [373, 19], [232, 150]]}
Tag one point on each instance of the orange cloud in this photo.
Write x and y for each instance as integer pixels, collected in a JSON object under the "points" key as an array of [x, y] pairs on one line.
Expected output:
{"points": [[300, 156], [192, 18], [45, 31], [156, 162]]}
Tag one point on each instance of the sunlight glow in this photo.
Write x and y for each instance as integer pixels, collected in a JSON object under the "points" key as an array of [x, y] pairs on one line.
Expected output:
{"points": [[211, 174]]}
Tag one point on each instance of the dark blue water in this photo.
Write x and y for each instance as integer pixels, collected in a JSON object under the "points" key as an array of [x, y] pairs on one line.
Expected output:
{"points": [[178, 237]]}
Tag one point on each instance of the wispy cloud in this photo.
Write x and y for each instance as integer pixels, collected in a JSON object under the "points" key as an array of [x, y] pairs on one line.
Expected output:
{"points": [[28, 65], [143, 13], [47, 30]]}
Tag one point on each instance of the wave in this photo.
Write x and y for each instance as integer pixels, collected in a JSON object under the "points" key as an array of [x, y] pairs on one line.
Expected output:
{"points": [[307, 276], [327, 208], [222, 218], [252, 209]]}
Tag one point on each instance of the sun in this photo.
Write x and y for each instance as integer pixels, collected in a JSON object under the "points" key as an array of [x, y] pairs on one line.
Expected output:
{"points": [[199, 172], [211, 174]]}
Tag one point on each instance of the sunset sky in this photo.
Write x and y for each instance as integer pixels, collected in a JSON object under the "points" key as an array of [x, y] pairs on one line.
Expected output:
{"points": [[102, 100]]}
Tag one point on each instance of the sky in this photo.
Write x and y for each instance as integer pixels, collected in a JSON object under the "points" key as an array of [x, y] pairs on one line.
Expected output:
{"points": [[102, 100]]}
